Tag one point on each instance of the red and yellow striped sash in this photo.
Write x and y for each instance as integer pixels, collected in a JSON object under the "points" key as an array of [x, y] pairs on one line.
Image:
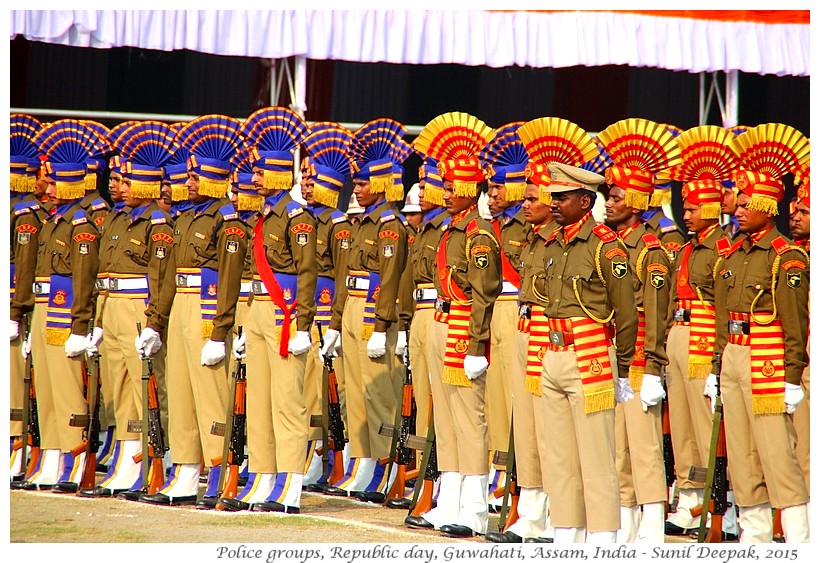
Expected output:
{"points": [[458, 341]]}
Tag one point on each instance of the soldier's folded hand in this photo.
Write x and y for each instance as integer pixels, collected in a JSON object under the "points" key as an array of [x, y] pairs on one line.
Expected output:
{"points": [[475, 366], [14, 330], [623, 390], [92, 341], [401, 343], [300, 343], [213, 352], [238, 349], [377, 345], [651, 391], [710, 389], [25, 349], [148, 342], [794, 394], [75, 345], [331, 343]]}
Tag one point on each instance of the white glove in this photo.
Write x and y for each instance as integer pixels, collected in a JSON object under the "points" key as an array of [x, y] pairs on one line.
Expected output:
{"points": [[75, 345], [651, 391], [300, 343], [623, 390], [148, 342], [14, 331], [710, 389], [238, 349], [475, 366], [377, 345], [401, 344], [331, 343], [92, 341], [794, 394], [212, 353], [25, 349]]}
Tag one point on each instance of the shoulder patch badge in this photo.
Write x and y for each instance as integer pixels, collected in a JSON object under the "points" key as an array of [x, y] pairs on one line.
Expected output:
{"points": [[232, 246], [235, 231], [619, 269], [389, 234], [613, 252], [793, 279], [156, 237], [388, 250], [85, 236], [789, 264], [657, 279]]}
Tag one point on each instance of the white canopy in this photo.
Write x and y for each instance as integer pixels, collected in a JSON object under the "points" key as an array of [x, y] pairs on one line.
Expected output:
{"points": [[763, 42]]}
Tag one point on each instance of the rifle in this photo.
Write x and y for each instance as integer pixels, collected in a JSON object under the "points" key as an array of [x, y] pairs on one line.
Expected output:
{"points": [[28, 414], [154, 445], [233, 446], [90, 421], [422, 501], [511, 489], [717, 486], [403, 454], [333, 427], [668, 452]]}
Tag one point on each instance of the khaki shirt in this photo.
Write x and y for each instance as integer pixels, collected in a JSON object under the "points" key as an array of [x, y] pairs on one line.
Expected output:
{"points": [[69, 246], [27, 218], [96, 207], [378, 244], [214, 238], [531, 266], [111, 229], [746, 274], [671, 237], [601, 273], [289, 238], [474, 265], [650, 269], [514, 232]]}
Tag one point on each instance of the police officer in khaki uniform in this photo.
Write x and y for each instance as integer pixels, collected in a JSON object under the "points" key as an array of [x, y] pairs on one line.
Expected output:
{"points": [[589, 284], [658, 223], [209, 252], [468, 282], [365, 310], [67, 262], [761, 308]]}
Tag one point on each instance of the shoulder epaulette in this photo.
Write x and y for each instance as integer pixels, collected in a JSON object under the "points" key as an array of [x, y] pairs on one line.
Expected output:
{"points": [[387, 215], [24, 207], [79, 217], [667, 225], [228, 212], [294, 208], [780, 245], [651, 241], [472, 228], [98, 204], [337, 216], [158, 217], [724, 247], [604, 233]]}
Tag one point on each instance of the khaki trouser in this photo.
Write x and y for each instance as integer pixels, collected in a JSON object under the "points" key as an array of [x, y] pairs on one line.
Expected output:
{"points": [[314, 368], [639, 453], [498, 404], [277, 417], [371, 384], [59, 388], [107, 414], [418, 348], [690, 411], [17, 369], [583, 488], [760, 448], [197, 394], [802, 425], [446, 448], [528, 423]]}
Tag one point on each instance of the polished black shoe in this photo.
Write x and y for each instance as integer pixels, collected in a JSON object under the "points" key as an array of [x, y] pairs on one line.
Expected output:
{"points": [[418, 523], [369, 496], [233, 505], [163, 499], [30, 486], [538, 540], [18, 478], [206, 503], [100, 492], [316, 487], [203, 478], [733, 537], [492, 509], [403, 503], [457, 531], [273, 506], [503, 537], [101, 468], [65, 487], [671, 529], [337, 491], [129, 495]]}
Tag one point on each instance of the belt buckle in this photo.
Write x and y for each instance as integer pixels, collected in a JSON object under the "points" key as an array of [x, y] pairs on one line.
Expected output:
{"points": [[182, 280], [442, 306], [100, 285], [351, 282], [256, 287], [38, 287], [735, 327], [113, 284], [419, 294], [557, 338], [525, 311], [679, 315]]}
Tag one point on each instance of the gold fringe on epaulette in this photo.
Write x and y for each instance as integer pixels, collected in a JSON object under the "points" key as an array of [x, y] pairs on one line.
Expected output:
{"points": [[660, 198], [515, 191], [455, 376], [769, 404], [395, 192], [462, 188], [710, 210], [144, 190], [532, 385], [207, 328], [70, 190], [246, 202], [636, 199], [636, 377], [380, 184], [698, 370], [213, 188], [57, 336], [598, 402], [19, 183], [326, 196], [367, 331], [434, 195], [763, 203], [91, 182], [179, 192], [277, 180]]}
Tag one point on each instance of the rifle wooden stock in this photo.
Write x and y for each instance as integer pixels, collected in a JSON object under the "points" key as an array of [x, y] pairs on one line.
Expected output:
{"points": [[25, 414], [777, 526], [668, 452], [510, 489], [422, 501], [233, 445], [714, 491], [91, 432]]}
